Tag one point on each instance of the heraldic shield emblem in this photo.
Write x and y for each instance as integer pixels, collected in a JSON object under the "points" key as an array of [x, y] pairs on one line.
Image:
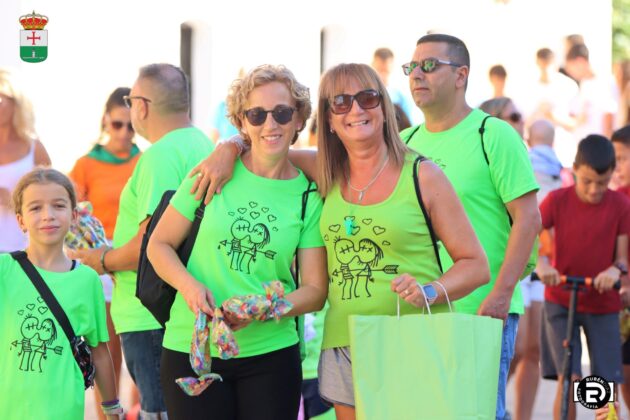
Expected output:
{"points": [[33, 39]]}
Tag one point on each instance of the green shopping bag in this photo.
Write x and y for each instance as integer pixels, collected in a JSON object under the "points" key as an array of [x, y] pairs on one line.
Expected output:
{"points": [[436, 366]]}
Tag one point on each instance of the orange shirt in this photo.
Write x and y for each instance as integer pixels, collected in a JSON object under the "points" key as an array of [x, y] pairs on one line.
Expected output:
{"points": [[101, 184]]}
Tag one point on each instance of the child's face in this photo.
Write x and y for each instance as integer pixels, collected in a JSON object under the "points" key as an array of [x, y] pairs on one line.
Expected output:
{"points": [[589, 185], [46, 213], [622, 169]]}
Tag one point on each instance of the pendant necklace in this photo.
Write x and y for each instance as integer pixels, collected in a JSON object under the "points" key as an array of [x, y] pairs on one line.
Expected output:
{"points": [[349, 220]]}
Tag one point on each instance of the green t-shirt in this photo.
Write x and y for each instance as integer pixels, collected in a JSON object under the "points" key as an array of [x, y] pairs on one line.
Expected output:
{"points": [[249, 235], [368, 246], [162, 167], [313, 337], [482, 188], [40, 378]]}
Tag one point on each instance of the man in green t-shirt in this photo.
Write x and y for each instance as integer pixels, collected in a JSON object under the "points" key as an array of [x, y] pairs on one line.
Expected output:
{"points": [[492, 180], [160, 105]]}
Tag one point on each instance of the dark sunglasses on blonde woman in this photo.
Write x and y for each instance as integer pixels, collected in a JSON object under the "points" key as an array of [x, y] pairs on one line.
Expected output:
{"points": [[281, 113], [117, 125], [367, 99]]}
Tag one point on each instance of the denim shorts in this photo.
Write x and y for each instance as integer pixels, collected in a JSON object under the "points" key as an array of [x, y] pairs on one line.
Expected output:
{"points": [[510, 328], [143, 351]]}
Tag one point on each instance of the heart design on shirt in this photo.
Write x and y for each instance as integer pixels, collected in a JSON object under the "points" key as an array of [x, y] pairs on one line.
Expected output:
{"points": [[242, 210], [355, 230], [334, 228], [253, 204], [30, 306], [378, 230], [254, 215], [272, 218], [367, 221], [264, 209], [42, 310], [386, 243]]}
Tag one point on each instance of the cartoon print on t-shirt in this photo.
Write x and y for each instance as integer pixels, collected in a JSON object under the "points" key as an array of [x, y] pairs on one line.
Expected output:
{"points": [[357, 261], [249, 238], [37, 340]]}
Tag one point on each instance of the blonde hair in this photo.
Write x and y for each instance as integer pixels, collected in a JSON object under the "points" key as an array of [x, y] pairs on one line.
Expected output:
{"points": [[332, 157], [41, 175], [259, 76], [23, 118]]}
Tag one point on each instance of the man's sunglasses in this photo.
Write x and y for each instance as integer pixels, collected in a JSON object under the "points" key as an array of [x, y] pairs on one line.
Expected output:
{"points": [[281, 113], [127, 99], [117, 125], [367, 99], [428, 65]]}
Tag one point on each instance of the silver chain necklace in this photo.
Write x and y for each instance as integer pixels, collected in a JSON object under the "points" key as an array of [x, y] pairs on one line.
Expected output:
{"points": [[363, 190]]}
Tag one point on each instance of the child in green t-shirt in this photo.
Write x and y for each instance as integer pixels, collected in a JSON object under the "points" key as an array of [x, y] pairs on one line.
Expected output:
{"points": [[41, 378]]}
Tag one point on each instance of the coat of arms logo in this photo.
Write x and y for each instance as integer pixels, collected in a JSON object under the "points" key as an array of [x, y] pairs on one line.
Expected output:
{"points": [[33, 39]]}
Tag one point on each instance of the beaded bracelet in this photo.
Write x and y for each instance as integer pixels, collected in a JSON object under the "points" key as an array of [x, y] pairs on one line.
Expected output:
{"points": [[112, 408]]}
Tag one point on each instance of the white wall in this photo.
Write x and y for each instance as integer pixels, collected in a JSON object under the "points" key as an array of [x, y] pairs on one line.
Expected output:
{"points": [[97, 46]]}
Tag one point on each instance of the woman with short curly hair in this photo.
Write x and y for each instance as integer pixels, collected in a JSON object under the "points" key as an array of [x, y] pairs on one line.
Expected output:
{"points": [[249, 235]]}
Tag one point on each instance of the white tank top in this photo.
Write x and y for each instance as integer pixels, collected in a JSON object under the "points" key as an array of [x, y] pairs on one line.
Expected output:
{"points": [[11, 237]]}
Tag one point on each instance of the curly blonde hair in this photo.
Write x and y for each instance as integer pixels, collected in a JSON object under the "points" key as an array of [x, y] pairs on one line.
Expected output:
{"points": [[259, 76], [23, 118]]}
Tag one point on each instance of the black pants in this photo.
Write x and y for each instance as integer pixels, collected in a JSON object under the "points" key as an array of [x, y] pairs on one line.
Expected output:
{"points": [[258, 387]]}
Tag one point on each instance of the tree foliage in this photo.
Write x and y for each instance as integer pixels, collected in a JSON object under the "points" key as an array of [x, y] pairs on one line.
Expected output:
{"points": [[621, 30]]}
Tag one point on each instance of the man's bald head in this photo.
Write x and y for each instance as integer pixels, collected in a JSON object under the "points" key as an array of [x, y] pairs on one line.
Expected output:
{"points": [[167, 87], [541, 132]]}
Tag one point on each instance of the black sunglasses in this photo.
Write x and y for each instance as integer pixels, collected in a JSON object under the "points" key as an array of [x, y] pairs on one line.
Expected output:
{"points": [[367, 99], [281, 113], [117, 125], [428, 65], [127, 99]]}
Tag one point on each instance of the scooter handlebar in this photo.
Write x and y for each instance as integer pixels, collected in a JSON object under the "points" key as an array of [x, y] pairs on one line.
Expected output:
{"points": [[582, 281]]}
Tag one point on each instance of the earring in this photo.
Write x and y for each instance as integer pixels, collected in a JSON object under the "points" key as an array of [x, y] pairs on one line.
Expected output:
{"points": [[332, 130]]}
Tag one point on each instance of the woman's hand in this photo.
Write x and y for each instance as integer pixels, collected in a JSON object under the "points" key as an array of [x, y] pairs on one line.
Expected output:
{"points": [[214, 171], [602, 413], [234, 322], [198, 297], [409, 289]]}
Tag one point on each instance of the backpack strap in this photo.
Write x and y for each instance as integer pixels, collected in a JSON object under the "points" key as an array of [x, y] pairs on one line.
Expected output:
{"points": [[427, 219], [413, 133], [311, 188], [482, 130], [194, 230], [46, 294]]}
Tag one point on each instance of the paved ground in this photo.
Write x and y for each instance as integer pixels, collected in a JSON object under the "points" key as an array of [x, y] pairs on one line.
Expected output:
{"points": [[542, 408]]}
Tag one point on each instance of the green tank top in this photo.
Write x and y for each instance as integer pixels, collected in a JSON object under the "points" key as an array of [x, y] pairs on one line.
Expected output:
{"points": [[368, 246]]}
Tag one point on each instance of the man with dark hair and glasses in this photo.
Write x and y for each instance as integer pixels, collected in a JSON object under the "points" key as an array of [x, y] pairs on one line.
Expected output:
{"points": [[493, 179], [159, 102]]}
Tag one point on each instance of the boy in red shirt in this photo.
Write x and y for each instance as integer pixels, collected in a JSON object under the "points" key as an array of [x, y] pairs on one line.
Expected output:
{"points": [[591, 225]]}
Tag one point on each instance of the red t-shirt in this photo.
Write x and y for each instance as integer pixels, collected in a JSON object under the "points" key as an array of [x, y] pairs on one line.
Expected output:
{"points": [[585, 237]]}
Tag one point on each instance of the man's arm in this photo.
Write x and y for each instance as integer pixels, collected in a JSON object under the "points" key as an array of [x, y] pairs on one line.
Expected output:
{"points": [[124, 258], [525, 227]]}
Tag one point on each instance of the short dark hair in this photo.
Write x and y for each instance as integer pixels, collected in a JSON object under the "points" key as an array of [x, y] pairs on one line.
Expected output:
{"points": [[577, 51], [169, 85], [457, 50], [498, 70], [596, 152], [544, 54], [384, 54], [622, 136]]}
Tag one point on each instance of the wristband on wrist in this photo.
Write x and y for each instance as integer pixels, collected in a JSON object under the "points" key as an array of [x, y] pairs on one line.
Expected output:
{"points": [[105, 251], [621, 267], [236, 140]]}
